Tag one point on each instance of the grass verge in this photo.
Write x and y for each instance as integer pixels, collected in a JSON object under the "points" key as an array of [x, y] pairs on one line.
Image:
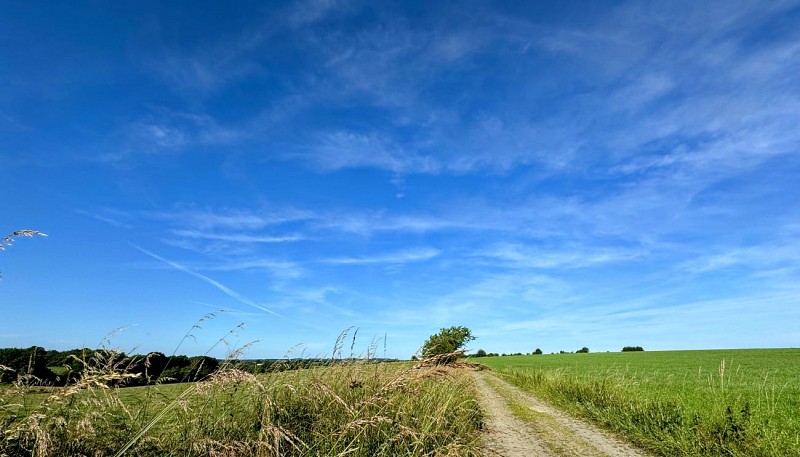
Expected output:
{"points": [[355, 409]]}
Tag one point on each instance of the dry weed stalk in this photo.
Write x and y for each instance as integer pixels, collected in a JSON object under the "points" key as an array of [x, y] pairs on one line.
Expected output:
{"points": [[401, 410], [8, 240], [330, 393], [368, 422], [449, 359]]}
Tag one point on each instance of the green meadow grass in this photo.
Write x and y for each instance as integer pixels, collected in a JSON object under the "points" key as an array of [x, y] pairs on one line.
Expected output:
{"points": [[350, 409], [709, 402]]}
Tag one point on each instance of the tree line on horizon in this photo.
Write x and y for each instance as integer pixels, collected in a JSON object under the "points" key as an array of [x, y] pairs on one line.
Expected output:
{"points": [[37, 365], [452, 339], [583, 350]]}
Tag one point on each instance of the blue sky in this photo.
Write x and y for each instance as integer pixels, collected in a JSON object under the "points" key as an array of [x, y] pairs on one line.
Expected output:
{"points": [[549, 174]]}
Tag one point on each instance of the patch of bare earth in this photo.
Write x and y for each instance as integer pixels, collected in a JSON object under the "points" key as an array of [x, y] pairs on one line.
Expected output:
{"points": [[519, 424]]}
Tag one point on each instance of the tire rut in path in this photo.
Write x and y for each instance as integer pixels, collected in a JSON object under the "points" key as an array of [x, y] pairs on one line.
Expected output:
{"points": [[545, 431]]}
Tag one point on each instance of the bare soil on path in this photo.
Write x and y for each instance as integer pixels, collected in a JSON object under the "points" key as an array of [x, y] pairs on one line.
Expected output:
{"points": [[519, 424]]}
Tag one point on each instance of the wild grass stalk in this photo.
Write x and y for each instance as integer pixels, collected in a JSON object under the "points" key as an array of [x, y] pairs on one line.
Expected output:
{"points": [[347, 408], [7, 240]]}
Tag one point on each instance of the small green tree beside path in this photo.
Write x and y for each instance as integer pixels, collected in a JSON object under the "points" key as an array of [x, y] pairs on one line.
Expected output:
{"points": [[447, 341]]}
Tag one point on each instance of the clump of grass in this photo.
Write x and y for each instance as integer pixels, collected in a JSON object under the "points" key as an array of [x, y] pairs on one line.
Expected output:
{"points": [[348, 408]]}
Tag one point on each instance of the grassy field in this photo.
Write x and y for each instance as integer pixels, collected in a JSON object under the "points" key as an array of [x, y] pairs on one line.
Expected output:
{"points": [[357, 409], [712, 402]]}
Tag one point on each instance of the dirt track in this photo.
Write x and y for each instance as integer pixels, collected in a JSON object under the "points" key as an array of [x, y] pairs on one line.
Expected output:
{"points": [[544, 431]]}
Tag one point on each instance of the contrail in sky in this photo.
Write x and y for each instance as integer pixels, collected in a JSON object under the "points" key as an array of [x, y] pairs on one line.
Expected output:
{"points": [[227, 290]]}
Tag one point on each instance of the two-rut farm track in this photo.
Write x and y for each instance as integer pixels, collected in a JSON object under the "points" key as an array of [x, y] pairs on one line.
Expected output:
{"points": [[519, 424]]}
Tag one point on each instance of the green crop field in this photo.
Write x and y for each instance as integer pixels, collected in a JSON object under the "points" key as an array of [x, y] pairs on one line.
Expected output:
{"points": [[712, 402]]}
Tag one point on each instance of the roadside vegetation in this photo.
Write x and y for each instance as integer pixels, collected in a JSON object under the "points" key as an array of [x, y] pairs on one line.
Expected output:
{"points": [[726, 402], [351, 406]]}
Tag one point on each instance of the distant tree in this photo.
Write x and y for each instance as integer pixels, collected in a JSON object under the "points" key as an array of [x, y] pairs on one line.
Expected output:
{"points": [[153, 365], [632, 349], [537, 352], [480, 353], [583, 350], [28, 365], [70, 358], [176, 369], [201, 367], [447, 341]]}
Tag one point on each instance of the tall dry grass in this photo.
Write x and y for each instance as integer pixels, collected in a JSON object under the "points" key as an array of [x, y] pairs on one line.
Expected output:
{"points": [[348, 408]]}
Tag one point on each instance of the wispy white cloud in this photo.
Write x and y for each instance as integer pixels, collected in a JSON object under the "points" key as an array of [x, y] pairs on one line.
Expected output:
{"points": [[402, 257], [238, 237], [365, 223], [231, 219], [201, 70], [278, 268], [104, 217], [517, 255], [702, 82], [216, 249], [225, 289], [10, 121], [374, 62], [483, 296], [307, 12], [176, 131], [641, 92], [342, 149], [322, 300], [690, 325], [754, 258]]}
